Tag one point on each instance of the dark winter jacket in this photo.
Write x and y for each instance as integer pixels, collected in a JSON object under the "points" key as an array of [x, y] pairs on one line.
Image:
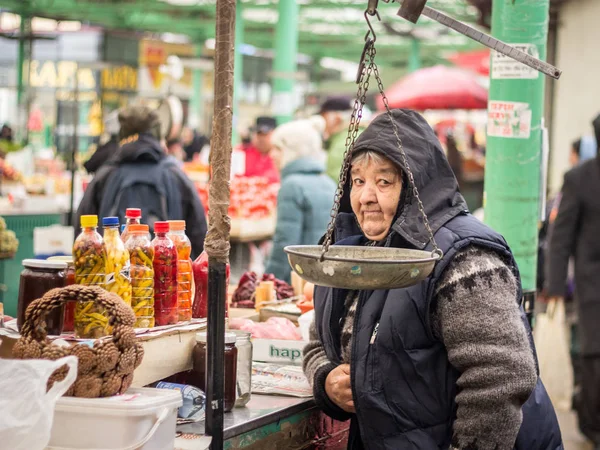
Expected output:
{"points": [[102, 155], [142, 152], [575, 233], [303, 207], [404, 387]]}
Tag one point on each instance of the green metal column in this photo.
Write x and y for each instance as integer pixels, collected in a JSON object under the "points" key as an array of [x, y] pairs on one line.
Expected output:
{"points": [[515, 109], [238, 69], [285, 64], [414, 62]]}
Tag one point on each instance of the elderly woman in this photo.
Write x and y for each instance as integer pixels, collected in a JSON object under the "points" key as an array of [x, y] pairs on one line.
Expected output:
{"points": [[448, 363], [306, 192]]}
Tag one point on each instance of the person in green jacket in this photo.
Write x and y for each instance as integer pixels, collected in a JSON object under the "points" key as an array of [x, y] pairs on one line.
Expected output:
{"points": [[336, 111], [306, 193]]}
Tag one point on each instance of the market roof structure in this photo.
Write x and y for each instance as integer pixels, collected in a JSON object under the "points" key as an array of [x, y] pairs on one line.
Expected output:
{"points": [[333, 28]]}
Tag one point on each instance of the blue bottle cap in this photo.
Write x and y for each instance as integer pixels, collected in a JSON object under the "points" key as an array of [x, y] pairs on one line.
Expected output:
{"points": [[110, 221]]}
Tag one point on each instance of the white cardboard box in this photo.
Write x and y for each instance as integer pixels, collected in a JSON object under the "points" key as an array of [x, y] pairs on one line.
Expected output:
{"points": [[278, 351]]}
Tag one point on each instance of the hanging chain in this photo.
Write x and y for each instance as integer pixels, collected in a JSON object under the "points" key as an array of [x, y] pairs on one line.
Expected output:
{"points": [[355, 118], [411, 178], [363, 78]]}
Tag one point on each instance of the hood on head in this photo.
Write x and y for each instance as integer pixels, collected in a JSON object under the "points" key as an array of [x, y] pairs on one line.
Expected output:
{"points": [[140, 148], [434, 179]]}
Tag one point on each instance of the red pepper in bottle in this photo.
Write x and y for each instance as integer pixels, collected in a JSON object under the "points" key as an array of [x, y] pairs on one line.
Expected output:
{"points": [[200, 269], [184, 275], [165, 276]]}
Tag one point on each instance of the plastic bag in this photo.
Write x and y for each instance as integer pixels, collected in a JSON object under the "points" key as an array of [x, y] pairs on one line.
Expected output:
{"points": [[27, 409]]}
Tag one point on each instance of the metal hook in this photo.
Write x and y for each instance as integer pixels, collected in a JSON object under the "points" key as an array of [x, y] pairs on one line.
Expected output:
{"points": [[372, 7], [371, 31]]}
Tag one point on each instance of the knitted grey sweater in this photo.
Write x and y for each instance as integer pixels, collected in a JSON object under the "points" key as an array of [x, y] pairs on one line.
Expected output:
{"points": [[478, 320]]}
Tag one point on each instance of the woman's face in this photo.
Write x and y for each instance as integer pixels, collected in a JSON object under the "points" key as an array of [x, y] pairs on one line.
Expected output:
{"points": [[374, 196]]}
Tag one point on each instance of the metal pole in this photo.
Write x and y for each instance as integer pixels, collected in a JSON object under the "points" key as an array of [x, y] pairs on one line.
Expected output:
{"points": [[75, 146], [514, 144], [21, 62], [238, 69], [217, 240], [285, 64], [414, 62]]}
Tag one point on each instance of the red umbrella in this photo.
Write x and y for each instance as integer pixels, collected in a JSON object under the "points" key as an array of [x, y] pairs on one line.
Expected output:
{"points": [[477, 61], [438, 87]]}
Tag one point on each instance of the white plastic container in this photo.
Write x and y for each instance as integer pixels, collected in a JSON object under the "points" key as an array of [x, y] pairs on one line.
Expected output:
{"points": [[142, 419]]}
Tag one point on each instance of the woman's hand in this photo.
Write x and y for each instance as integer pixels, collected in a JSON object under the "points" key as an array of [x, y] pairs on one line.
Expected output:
{"points": [[339, 389]]}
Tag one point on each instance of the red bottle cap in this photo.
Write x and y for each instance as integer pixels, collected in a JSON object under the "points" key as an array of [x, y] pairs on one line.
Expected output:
{"points": [[133, 213], [161, 227]]}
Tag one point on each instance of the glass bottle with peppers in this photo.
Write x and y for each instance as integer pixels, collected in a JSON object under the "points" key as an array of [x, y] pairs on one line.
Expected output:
{"points": [[165, 276], [184, 268], [118, 278], [133, 216], [200, 269], [69, 322], [141, 255], [89, 255]]}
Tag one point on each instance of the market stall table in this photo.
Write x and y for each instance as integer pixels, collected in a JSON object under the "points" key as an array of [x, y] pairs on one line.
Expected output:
{"points": [[267, 422]]}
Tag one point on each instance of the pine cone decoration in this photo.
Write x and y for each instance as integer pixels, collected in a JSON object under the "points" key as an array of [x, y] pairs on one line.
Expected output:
{"points": [[27, 348], [87, 386], [86, 357], [126, 384], [107, 356], [124, 336], [54, 352], [139, 354], [111, 384], [104, 370], [127, 361]]}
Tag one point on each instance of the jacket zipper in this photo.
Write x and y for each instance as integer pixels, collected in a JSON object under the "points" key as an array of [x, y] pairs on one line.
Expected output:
{"points": [[361, 299], [374, 335]]}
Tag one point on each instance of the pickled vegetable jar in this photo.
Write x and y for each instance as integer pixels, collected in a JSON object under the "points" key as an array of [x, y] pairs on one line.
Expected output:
{"points": [[37, 278], [117, 280], [200, 269], [165, 276], [184, 268], [133, 216], [141, 255], [69, 323], [89, 256]]}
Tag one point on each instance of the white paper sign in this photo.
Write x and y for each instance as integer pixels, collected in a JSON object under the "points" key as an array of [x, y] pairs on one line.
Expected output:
{"points": [[505, 68], [509, 120]]}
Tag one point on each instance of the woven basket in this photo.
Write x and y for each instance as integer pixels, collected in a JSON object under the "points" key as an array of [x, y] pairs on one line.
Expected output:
{"points": [[105, 369]]}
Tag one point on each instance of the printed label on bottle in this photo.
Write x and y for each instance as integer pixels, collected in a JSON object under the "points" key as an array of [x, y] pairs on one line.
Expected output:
{"points": [[126, 272], [109, 278]]}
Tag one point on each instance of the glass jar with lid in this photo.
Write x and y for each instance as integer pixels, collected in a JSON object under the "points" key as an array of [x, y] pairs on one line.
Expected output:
{"points": [[69, 322], [244, 368], [197, 376], [38, 277]]}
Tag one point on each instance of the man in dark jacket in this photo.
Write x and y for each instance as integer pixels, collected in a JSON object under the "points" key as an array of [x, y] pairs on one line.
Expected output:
{"points": [[575, 233], [141, 175], [447, 363]]}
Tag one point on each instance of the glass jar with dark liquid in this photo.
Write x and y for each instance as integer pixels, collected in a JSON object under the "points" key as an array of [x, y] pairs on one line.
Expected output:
{"points": [[37, 278], [197, 377]]}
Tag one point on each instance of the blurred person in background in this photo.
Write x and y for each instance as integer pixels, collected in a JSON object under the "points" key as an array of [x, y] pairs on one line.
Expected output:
{"points": [[336, 111], [142, 175], [193, 143], [574, 233], [109, 149], [258, 154], [306, 192], [175, 150], [6, 134]]}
